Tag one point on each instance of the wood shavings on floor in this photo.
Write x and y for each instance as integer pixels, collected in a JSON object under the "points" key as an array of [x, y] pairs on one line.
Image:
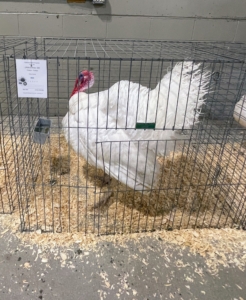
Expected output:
{"points": [[219, 247]]}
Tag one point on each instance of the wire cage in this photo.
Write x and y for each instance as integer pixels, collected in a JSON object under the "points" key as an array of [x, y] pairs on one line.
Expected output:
{"points": [[130, 156]]}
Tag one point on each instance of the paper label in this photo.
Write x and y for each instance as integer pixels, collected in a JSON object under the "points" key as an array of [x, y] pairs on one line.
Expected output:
{"points": [[31, 78]]}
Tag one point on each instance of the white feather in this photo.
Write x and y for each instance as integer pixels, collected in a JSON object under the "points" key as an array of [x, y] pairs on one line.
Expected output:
{"points": [[240, 111], [95, 125]]}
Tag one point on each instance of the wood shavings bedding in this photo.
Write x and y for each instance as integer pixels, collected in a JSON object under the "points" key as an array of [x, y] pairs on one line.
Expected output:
{"points": [[58, 191], [53, 194], [226, 247], [226, 164]]}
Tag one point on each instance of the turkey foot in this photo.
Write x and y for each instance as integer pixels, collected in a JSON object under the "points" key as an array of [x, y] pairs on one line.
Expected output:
{"points": [[105, 200], [104, 180]]}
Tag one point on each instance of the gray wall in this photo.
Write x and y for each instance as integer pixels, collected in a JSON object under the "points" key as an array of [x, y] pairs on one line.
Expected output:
{"points": [[215, 20]]}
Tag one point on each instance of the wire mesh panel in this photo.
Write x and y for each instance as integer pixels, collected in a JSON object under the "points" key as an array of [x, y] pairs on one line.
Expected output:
{"points": [[142, 136], [10, 117]]}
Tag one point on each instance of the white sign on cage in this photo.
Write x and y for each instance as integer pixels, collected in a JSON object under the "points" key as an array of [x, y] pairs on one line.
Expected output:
{"points": [[31, 76]]}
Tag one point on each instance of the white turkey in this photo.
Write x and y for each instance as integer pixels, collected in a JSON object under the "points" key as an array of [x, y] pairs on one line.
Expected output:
{"points": [[101, 127], [240, 111]]}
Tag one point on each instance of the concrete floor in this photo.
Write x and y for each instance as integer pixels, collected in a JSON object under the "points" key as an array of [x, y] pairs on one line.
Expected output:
{"points": [[150, 269]]}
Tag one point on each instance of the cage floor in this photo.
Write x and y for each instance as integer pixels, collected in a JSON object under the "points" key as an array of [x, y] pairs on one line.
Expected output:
{"points": [[58, 191]]}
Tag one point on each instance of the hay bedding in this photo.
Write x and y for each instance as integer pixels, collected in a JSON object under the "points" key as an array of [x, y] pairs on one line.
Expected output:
{"points": [[63, 192]]}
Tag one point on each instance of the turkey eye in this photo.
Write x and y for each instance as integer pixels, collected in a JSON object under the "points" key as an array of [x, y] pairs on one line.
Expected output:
{"points": [[81, 76]]}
